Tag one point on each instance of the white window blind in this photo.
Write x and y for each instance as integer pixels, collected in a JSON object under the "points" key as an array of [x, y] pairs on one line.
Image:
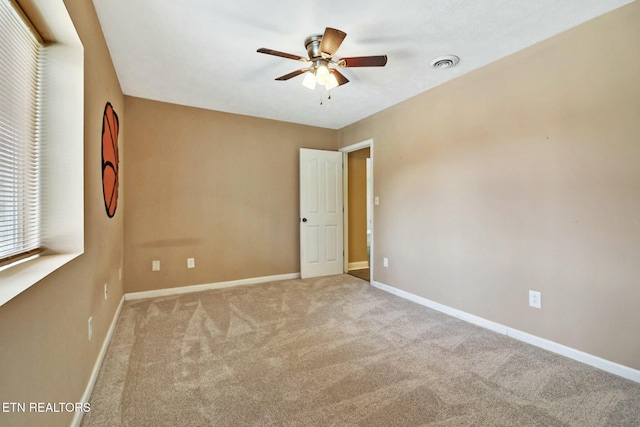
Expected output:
{"points": [[19, 125]]}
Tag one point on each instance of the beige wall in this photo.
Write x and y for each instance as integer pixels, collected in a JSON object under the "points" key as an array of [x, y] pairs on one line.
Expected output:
{"points": [[357, 203], [217, 187], [522, 175], [45, 355]]}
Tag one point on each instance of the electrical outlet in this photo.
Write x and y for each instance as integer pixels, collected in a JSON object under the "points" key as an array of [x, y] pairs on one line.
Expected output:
{"points": [[155, 265], [385, 262], [90, 327], [106, 291], [535, 299], [191, 263]]}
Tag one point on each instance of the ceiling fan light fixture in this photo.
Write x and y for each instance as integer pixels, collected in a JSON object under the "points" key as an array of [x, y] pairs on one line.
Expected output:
{"points": [[322, 74], [332, 83], [309, 80]]}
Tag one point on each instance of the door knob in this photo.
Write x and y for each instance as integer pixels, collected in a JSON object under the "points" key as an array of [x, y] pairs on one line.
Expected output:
{"points": [[304, 219]]}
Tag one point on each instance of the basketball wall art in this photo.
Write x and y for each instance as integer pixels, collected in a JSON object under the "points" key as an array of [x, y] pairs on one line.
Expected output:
{"points": [[110, 127]]}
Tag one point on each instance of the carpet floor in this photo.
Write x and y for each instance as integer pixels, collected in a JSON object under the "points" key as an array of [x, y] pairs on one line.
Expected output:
{"points": [[334, 351]]}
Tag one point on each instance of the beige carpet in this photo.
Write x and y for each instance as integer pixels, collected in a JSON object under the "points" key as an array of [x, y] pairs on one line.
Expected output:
{"points": [[336, 351]]}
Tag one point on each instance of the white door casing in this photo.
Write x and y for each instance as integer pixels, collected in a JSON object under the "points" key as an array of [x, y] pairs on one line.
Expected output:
{"points": [[321, 213], [370, 203]]}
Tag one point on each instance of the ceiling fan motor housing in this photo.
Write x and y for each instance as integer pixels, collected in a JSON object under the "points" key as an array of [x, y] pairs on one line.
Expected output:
{"points": [[312, 44]]}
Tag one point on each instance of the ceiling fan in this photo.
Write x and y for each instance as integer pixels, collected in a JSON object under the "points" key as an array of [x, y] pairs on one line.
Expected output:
{"points": [[321, 49]]}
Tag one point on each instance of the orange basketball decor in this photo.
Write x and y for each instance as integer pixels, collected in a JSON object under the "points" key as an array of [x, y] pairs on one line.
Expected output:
{"points": [[110, 127]]}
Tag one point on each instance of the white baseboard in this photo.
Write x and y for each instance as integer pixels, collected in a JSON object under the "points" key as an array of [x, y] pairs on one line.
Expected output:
{"points": [[208, 286], [77, 418], [571, 353], [358, 265]]}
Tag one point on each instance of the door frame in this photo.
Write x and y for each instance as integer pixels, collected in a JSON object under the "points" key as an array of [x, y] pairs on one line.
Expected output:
{"points": [[345, 195]]}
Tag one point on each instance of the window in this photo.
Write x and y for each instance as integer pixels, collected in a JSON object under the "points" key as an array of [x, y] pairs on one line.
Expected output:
{"points": [[58, 159], [19, 138]]}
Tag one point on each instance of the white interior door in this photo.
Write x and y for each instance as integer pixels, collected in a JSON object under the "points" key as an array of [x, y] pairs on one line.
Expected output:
{"points": [[321, 227]]}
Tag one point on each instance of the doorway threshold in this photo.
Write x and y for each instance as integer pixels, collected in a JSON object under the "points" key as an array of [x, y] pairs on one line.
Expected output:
{"points": [[362, 273]]}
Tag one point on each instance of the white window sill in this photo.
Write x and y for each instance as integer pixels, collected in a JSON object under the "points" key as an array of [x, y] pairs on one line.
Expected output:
{"points": [[62, 152], [18, 278]]}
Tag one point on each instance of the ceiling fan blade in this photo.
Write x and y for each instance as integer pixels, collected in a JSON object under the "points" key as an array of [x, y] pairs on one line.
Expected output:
{"points": [[293, 74], [331, 41], [339, 77], [282, 54], [363, 61]]}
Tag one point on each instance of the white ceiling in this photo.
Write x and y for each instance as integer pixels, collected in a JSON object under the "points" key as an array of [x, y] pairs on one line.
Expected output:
{"points": [[202, 53]]}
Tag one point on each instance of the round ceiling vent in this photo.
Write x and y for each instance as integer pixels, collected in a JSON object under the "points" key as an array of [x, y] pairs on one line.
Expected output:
{"points": [[446, 61]]}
